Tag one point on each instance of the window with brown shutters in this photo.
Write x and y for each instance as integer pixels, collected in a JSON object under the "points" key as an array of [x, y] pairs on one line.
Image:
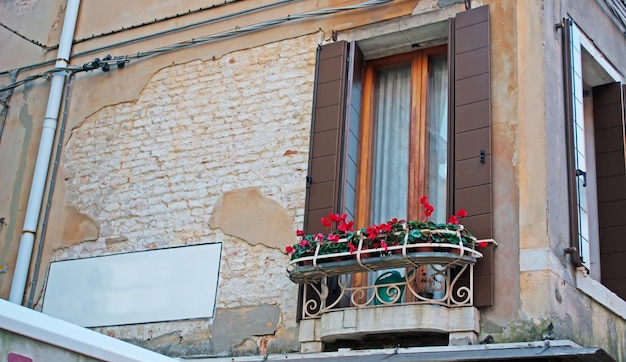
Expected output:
{"points": [[339, 135], [596, 162]]}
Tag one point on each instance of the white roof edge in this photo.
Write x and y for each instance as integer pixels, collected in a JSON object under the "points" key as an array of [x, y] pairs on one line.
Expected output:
{"points": [[386, 354], [38, 326]]}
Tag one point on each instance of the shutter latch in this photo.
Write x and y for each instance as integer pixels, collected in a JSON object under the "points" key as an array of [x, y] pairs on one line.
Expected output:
{"points": [[482, 156], [309, 181], [582, 173]]}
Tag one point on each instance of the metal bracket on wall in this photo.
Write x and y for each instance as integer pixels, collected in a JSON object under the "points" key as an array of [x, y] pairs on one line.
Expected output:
{"points": [[4, 269]]}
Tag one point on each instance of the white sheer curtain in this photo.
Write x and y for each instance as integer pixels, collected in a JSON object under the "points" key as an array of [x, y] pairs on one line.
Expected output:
{"points": [[437, 126], [437, 133], [390, 176]]}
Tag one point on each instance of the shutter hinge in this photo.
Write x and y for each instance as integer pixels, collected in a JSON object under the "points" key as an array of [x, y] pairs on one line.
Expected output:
{"points": [[309, 181], [482, 156]]}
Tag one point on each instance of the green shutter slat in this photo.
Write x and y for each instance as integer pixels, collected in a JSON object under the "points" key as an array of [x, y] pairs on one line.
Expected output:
{"points": [[470, 112]]}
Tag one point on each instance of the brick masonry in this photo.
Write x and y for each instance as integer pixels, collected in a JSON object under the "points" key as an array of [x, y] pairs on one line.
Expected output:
{"points": [[150, 172]]}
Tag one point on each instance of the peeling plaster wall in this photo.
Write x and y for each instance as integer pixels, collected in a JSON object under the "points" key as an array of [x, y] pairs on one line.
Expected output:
{"points": [[150, 173]]}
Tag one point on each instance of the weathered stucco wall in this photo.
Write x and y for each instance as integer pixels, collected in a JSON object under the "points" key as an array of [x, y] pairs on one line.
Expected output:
{"points": [[550, 305], [150, 174], [18, 345], [93, 91]]}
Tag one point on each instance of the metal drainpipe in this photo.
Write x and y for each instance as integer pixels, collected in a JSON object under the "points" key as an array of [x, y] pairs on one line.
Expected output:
{"points": [[43, 156], [53, 177]]}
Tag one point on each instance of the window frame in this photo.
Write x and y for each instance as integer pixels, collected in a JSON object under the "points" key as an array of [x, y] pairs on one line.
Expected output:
{"points": [[418, 154], [575, 42]]}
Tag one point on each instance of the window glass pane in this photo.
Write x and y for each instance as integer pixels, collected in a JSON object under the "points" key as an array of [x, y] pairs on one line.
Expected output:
{"points": [[390, 174], [437, 126]]}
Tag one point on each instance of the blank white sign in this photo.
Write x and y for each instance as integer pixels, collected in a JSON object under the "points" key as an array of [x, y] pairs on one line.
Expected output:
{"points": [[140, 287]]}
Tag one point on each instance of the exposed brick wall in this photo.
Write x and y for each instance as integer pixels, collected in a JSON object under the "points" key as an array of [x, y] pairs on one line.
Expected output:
{"points": [[150, 172]]}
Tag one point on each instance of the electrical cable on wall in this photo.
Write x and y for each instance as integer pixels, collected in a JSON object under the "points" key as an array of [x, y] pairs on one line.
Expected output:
{"points": [[107, 62]]}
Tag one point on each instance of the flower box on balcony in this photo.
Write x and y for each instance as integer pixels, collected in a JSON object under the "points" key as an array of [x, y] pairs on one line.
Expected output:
{"points": [[309, 269]]}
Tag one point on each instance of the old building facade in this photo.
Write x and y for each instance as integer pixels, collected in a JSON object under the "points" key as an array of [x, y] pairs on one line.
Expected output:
{"points": [[233, 124]]}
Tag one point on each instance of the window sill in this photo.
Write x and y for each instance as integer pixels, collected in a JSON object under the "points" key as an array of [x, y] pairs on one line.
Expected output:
{"points": [[600, 294]]}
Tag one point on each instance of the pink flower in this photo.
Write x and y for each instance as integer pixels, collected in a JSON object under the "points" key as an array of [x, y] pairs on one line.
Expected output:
{"points": [[333, 237], [299, 232], [461, 213], [303, 243], [290, 250], [319, 237]]}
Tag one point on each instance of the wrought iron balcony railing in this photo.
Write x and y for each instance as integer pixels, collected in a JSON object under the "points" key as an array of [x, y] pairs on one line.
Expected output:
{"points": [[420, 273]]}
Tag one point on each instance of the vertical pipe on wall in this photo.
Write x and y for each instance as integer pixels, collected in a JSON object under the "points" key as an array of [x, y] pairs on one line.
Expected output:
{"points": [[43, 156]]}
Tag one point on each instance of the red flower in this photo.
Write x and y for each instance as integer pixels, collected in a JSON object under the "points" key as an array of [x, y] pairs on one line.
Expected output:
{"points": [[383, 244], [428, 208], [326, 222], [386, 228], [393, 221], [461, 213], [290, 250], [482, 244], [453, 220], [299, 232], [352, 248], [346, 226], [333, 237], [371, 232]]}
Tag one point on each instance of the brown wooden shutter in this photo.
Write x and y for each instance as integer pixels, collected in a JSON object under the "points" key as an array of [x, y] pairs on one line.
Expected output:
{"points": [[608, 117], [470, 103], [327, 132], [335, 137], [352, 133]]}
